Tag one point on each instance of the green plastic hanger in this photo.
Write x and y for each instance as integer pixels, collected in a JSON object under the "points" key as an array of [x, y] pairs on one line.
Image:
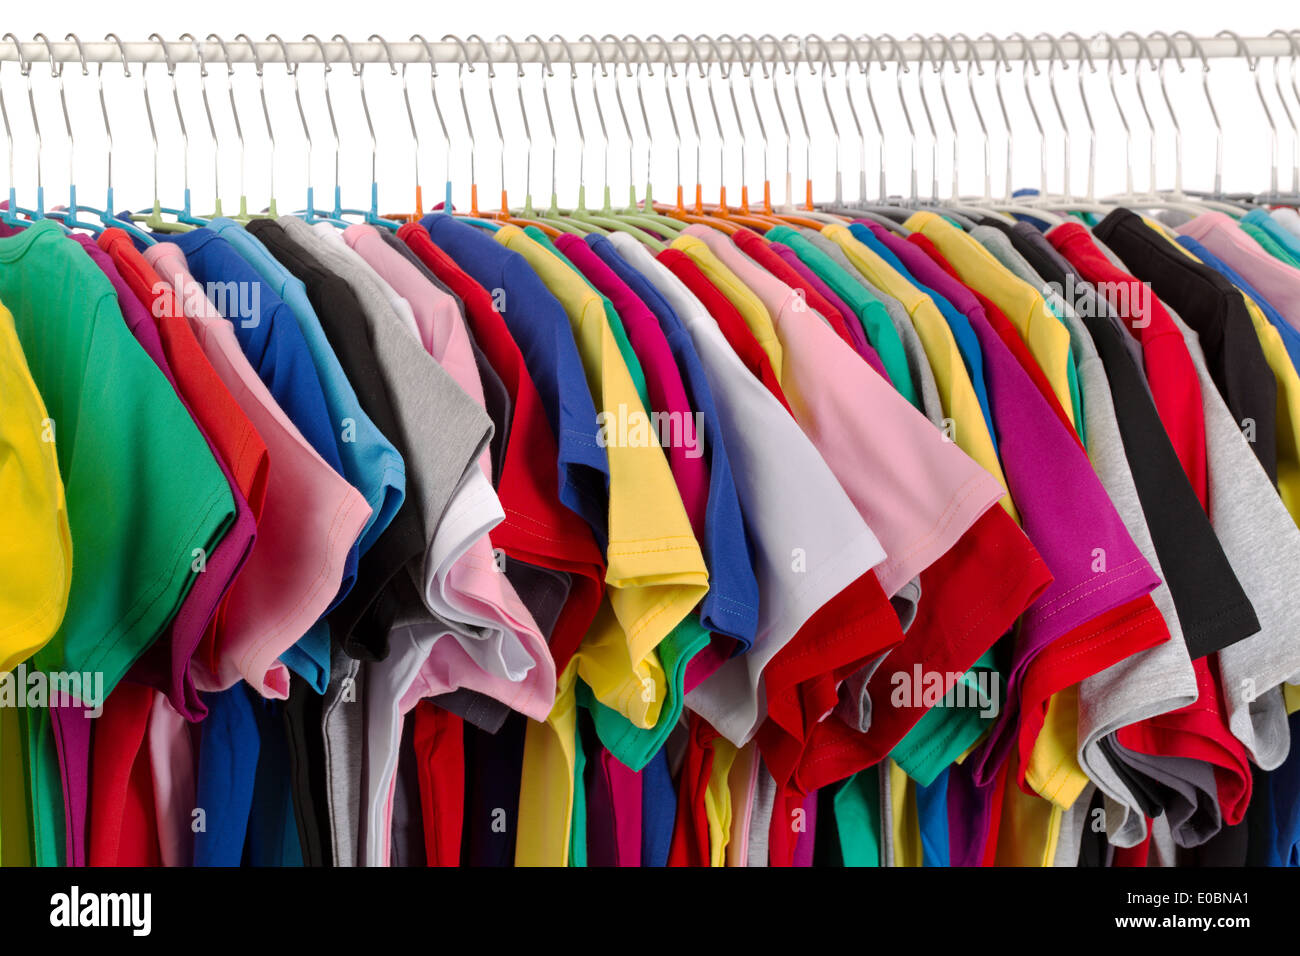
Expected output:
{"points": [[185, 220], [272, 212]]}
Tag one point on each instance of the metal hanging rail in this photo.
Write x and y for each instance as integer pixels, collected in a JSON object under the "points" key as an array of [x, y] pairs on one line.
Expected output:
{"points": [[455, 52]]}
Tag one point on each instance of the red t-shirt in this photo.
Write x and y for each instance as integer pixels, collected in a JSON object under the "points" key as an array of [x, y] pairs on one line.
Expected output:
{"points": [[440, 762], [690, 844], [123, 819], [1170, 372], [802, 682]]}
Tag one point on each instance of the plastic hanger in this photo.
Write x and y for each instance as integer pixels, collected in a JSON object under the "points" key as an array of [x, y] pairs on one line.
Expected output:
{"points": [[697, 213], [71, 216], [1151, 199], [860, 208], [311, 214], [806, 214], [1065, 200], [631, 214], [272, 212], [475, 216], [217, 211], [649, 213], [1007, 205], [738, 216], [504, 214], [242, 215], [13, 210], [604, 219], [743, 215], [185, 219], [371, 215], [1275, 196]]}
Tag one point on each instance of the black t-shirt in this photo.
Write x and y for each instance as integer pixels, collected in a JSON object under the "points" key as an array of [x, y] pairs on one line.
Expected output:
{"points": [[361, 621], [1214, 308]]}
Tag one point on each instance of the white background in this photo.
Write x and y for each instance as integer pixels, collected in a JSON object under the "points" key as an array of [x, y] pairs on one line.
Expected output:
{"points": [[1246, 163]]}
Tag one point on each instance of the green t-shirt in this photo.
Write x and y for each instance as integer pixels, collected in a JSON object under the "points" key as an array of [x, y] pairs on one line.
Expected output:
{"points": [[144, 493], [857, 818]]}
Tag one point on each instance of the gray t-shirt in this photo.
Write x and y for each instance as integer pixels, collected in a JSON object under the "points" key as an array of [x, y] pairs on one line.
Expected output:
{"points": [[1160, 679]]}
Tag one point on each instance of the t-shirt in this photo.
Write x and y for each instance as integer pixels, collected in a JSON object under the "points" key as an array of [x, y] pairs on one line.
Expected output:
{"points": [[656, 573], [542, 331], [874, 319], [952, 298], [169, 496], [308, 511], [268, 333], [361, 621], [731, 606], [370, 462], [1021, 303], [35, 543], [163, 330], [728, 318], [537, 528], [746, 300], [1217, 312], [835, 547]]}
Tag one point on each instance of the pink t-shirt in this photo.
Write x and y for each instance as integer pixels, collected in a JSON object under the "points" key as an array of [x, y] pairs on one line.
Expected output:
{"points": [[917, 491], [1274, 279], [309, 521]]}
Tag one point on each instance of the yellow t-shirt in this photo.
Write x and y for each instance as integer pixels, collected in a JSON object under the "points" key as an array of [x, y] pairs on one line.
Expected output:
{"points": [[1030, 828], [1047, 339], [904, 820], [717, 800], [546, 780], [35, 543], [746, 301], [656, 574]]}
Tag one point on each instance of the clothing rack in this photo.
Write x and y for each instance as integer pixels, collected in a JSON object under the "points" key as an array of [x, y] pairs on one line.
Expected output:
{"points": [[633, 50]]}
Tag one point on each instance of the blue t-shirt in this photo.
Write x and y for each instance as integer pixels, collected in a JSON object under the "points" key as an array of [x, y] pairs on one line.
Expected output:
{"points": [[968, 345], [1274, 230], [731, 606], [272, 825], [540, 326], [276, 348], [370, 462], [1283, 806], [932, 819], [227, 770], [658, 810], [1290, 337]]}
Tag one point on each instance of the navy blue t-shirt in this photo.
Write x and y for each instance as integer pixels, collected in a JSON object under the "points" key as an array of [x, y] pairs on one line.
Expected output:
{"points": [[540, 327]]}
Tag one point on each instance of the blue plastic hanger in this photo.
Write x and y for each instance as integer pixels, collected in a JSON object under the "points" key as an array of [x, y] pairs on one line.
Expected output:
{"points": [[105, 218], [311, 214], [9, 215]]}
